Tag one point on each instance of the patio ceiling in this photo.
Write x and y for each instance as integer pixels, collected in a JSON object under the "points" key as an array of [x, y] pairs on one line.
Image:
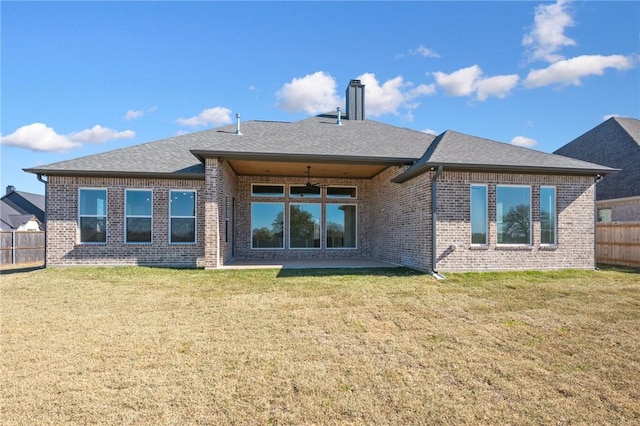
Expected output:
{"points": [[299, 169]]}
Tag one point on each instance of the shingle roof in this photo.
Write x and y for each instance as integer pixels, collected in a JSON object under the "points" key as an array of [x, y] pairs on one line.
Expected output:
{"points": [[317, 136], [320, 139], [17, 208], [458, 151], [613, 143]]}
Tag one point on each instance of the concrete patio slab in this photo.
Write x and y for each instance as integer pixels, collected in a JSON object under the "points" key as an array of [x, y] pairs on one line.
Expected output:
{"points": [[306, 264]]}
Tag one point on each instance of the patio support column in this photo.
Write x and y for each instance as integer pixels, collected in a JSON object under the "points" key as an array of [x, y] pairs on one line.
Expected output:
{"points": [[211, 214]]}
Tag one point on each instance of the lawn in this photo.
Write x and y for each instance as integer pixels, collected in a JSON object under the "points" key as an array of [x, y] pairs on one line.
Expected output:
{"points": [[378, 346]]}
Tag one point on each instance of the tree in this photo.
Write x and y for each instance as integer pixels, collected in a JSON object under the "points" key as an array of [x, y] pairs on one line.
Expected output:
{"points": [[517, 225]]}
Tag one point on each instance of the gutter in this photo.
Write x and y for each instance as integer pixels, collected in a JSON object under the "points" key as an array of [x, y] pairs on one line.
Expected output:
{"points": [[595, 225], [46, 187], [434, 219]]}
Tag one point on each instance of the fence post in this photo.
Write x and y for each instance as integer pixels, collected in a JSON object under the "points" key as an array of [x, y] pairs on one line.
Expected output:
{"points": [[13, 247]]}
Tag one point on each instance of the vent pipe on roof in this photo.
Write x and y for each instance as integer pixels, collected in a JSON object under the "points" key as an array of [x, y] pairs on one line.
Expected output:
{"points": [[238, 132], [339, 122], [355, 100]]}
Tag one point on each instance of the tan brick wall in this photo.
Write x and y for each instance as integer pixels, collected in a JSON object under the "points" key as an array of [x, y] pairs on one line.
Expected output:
{"points": [[64, 248], [575, 222], [400, 220]]}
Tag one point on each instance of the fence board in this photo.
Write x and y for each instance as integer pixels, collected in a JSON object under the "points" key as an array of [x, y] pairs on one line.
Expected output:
{"points": [[618, 243], [21, 247]]}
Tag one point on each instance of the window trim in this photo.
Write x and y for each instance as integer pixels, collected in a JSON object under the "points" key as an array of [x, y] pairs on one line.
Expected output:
{"points": [[318, 196], [326, 246], [281, 185], [530, 243], [195, 217], [284, 221], [555, 216], [486, 214], [291, 204], [337, 197], [126, 216], [106, 216]]}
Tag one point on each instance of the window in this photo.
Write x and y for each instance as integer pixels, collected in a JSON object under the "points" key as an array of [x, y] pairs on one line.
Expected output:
{"points": [[299, 191], [93, 215], [513, 214], [341, 192], [258, 190], [304, 226], [267, 225], [182, 220], [604, 215], [138, 215], [341, 225], [479, 214], [547, 215]]}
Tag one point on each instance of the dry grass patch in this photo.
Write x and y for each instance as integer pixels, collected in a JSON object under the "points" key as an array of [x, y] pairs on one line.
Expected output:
{"points": [[390, 346]]}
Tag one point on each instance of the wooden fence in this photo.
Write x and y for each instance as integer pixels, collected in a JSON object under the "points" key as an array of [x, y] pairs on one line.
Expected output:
{"points": [[21, 247], [618, 243]]}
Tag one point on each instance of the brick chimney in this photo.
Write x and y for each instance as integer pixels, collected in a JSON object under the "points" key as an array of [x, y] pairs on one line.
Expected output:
{"points": [[355, 101], [10, 189]]}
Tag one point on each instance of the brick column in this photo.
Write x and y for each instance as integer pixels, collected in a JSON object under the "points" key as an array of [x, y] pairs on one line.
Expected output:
{"points": [[211, 214]]}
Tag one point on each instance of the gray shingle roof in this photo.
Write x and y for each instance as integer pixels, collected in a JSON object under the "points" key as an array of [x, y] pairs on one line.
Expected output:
{"points": [[613, 143], [17, 207], [458, 151], [317, 136]]}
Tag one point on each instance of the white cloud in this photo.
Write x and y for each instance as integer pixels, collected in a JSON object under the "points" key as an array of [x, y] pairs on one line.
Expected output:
{"points": [[430, 132], [99, 134], [216, 116], [570, 71], [547, 34], [314, 93], [608, 116], [424, 51], [132, 115], [523, 141], [470, 81], [40, 137], [392, 95]]}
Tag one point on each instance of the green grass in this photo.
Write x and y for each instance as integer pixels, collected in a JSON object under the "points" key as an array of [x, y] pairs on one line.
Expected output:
{"points": [[378, 346]]}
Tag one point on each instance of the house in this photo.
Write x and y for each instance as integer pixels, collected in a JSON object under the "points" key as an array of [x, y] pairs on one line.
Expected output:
{"points": [[614, 143], [21, 211], [330, 186]]}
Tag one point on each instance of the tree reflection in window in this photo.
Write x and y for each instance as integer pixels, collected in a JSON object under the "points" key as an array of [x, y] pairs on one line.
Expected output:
{"points": [[304, 225], [513, 214], [267, 230]]}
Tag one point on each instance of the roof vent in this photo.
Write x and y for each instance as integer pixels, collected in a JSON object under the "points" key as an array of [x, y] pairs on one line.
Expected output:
{"points": [[238, 132], [339, 122], [10, 189], [355, 100]]}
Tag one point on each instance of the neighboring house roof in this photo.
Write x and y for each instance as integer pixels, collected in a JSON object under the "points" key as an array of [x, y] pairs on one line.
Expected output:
{"points": [[17, 208], [613, 143], [458, 151], [317, 139]]}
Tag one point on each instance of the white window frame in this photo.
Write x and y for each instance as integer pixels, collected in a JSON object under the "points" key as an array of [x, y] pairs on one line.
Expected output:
{"points": [[195, 217], [356, 224], [317, 196], [555, 216], [337, 197], [284, 225], [106, 216], [530, 243], [291, 204], [126, 216], [486, 214], [268, 195]]}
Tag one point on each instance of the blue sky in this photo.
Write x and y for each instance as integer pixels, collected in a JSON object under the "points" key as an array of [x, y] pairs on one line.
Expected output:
{"points": [[80, 78]]}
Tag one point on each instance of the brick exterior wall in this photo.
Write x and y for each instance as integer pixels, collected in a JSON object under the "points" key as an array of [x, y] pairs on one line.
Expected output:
{"points": [[400, 221], [575, 224], [393, 222], [63, 235]]}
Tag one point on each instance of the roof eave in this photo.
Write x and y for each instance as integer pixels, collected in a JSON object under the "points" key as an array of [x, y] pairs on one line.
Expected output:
{"points": [[314, 158], [411, 173], [115, 173]]}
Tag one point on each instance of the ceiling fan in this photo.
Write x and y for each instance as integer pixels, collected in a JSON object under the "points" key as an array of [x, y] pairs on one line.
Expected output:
{"points": [[309, 184]]}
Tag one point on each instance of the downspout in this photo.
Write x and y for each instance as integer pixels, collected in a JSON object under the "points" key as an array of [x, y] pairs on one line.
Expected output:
{"points": [[39, 176], [434, 219], [595, 225]]}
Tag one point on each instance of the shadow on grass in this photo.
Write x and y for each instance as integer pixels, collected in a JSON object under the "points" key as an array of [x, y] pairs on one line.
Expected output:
{"points": [[327, 272], [618, 268], [18, 270]]}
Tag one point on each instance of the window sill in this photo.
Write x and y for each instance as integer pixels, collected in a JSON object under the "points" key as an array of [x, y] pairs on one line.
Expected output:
{"points": [[549, 247], [479, 247], [523, 247]]}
